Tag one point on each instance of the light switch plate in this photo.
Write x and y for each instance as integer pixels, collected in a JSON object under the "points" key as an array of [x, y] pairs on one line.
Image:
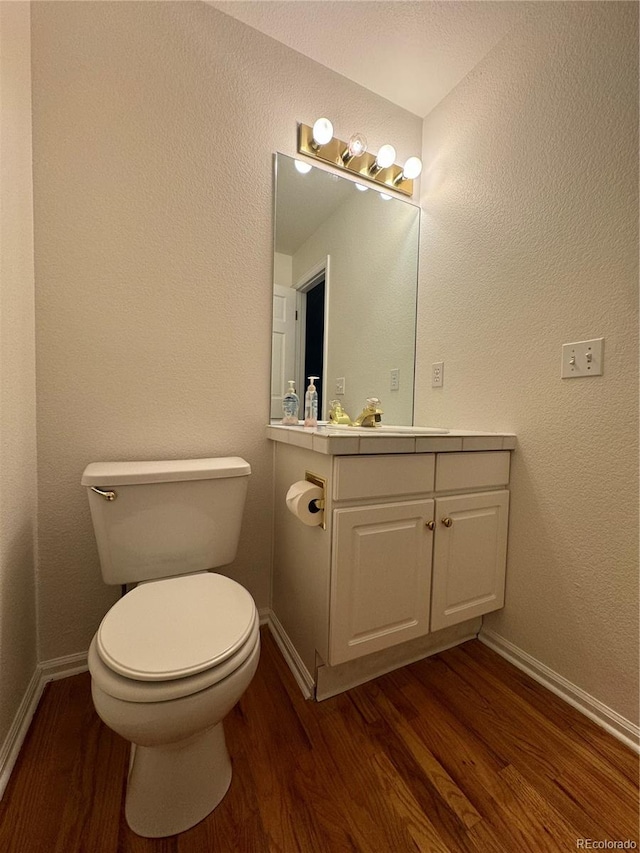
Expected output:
{"points": [[583, 358]]}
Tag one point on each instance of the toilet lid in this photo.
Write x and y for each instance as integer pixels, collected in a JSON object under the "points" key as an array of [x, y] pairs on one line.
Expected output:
{"points": [[176, 627]]}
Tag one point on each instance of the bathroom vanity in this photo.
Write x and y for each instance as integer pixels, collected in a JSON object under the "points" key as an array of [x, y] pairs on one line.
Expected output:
{"points": [[410, 554]]}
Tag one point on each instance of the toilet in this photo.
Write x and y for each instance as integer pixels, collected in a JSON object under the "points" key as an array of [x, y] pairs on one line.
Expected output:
{"points": [[174, 655]]}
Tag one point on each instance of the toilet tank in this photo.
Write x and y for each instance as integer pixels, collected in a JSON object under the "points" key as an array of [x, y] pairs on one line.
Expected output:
{"points": [[158, 519]]}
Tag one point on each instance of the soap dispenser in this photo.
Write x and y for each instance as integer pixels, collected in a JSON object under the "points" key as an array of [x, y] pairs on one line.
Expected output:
{"points": [[311, 404], [290, 406]]}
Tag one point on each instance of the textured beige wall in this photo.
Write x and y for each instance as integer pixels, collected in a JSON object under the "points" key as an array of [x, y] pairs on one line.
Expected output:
{"points": [[17, 368], [282, 269], [154, 131], [530, 240]]}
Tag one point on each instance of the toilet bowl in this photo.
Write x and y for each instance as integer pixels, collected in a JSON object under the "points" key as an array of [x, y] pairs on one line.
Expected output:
{"points": [[168, 696], [175, 654]]}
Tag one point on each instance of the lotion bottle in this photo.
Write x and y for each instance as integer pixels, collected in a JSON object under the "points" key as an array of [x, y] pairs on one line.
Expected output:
{"points": [[290, 406], [311, 404]]}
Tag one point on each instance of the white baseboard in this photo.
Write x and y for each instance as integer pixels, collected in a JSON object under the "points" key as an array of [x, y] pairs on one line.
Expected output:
{"points": [[291, 656], [606, 717], [57, 668], [19, 728], [50, 670]]}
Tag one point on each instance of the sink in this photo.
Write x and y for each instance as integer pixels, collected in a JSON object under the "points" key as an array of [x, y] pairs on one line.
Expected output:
{"points": [[386, 430]]}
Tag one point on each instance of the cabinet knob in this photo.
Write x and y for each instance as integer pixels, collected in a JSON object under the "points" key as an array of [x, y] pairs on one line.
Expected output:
{"points": [[447, 521], [431, 525]]}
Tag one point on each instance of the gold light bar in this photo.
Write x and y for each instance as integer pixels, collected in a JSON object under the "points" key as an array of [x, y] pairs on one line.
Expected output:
{"points": [[362, 165]]}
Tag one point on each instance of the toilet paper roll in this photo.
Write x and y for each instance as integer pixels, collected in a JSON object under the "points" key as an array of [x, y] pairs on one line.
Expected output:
{"points": [[299, 502]]}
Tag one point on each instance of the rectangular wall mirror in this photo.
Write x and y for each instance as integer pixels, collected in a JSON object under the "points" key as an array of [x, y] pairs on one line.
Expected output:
{"points": [[344, 293]]}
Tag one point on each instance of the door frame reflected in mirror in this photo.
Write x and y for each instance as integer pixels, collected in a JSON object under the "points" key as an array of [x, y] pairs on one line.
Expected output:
{"points": [[305, 366]]}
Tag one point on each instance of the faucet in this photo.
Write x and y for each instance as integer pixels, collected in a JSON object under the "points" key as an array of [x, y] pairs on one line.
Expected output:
{"points": [[337, 414], [371, 414]]}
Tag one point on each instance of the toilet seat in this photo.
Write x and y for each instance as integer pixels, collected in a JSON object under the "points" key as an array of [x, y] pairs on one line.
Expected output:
{"points": [[130, 690], [175, 627], [211, 619]]}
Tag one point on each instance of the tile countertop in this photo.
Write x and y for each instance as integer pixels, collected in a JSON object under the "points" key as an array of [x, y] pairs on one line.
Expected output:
{"points": [[338, 442]]}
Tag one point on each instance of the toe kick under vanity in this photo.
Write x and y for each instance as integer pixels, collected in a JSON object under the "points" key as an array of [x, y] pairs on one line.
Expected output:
{"points": [[410, 552]]}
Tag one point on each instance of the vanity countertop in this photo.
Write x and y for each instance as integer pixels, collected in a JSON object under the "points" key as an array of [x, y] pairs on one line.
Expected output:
{"points": [[338, 442]]}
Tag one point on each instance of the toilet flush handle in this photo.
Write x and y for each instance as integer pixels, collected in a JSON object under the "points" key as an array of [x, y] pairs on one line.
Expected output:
{"points": [[107, 494]]}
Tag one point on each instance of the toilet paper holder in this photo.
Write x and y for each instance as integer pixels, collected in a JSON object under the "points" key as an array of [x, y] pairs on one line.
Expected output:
{"points": [[318, 503]]}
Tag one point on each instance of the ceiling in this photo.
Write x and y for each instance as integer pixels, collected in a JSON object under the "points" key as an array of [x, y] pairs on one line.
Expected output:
{"points": [[412, 52]]}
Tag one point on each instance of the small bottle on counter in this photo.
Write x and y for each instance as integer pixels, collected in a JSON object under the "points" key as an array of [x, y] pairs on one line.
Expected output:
{"points": [[311, 404], [290, 406]]}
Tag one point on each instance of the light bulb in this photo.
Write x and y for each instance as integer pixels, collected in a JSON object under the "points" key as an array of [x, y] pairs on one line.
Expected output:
{"points": [[357, 145], [301, 167], [412, 168], [385, 197], [362, 188], [322, 131], [386, 157]]}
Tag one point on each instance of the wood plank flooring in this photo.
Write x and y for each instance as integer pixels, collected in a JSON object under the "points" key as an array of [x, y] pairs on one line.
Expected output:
{"points": [[459, 752]]}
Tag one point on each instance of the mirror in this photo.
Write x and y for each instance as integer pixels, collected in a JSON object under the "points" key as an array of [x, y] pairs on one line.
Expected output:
{"points": [[344, 293]]}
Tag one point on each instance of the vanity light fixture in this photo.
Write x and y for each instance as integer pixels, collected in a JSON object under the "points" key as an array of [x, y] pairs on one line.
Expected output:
{"points": [[361, 187], [352, 156]]}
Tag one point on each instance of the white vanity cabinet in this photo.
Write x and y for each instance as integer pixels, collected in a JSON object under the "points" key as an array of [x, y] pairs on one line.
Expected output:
{"points": [[404, 567], [412, 555]]}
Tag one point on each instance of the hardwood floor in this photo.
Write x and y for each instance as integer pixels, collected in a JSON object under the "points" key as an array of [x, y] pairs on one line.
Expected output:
{"points": [[460, 752]]}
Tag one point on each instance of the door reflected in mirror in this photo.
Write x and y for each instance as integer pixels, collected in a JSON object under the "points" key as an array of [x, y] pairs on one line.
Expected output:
{"points": [[344, 293]]}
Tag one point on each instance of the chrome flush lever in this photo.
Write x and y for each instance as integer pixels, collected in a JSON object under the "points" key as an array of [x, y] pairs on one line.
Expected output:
{"points": [[107, 494]]}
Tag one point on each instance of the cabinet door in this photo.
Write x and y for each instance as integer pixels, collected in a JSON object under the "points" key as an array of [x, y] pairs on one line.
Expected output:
{"points": [[469, 557], [380, 579]]}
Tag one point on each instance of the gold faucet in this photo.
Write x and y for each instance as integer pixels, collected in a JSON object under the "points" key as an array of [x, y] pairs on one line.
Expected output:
{"points": [[337, 414], [371, 414]]}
